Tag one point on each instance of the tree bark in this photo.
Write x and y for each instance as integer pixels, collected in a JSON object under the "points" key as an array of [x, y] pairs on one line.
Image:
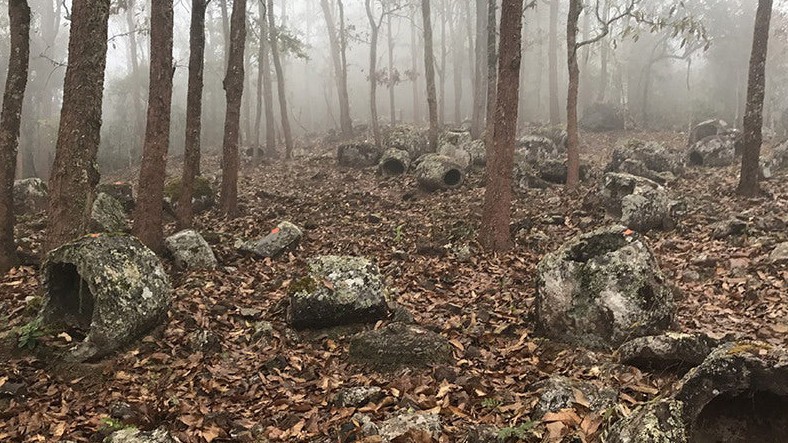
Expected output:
{"points": [[267, 87], [392, 103], [492, 73], [373, 71], [552, 61], [573, 139], [148, 226], [10, 120], [139, 118], [415, 69], [429, 70], [280, 81], [74, 174], [480, 85], [455, 30], [191, 150], [233, 88], [753, 115], [225, 32], [496, 213], [443, 73], [340, 77], [603, 60]]}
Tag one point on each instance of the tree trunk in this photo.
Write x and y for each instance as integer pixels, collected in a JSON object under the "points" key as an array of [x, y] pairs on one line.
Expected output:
{"points": [[492, 74], [267, 88], [373, 72], [191, 150], [234, 89], [280, 81], [572, 141], [334, 40], [443, 73], [753, 116], [10, 119], [415, 69], [455, 30], [225, 32], [496, 213], [139, 118], [480, 85], [392, 104], [429, 70], [74, 175], [148, 226], [604, 50], [552, 57]]}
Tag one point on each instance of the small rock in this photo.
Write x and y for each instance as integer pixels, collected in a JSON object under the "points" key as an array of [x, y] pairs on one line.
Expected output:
{"points": [[668, 351], [190, 250], [727, 228], [559, 392], [412, 424], [482, 434], [134, 435], [120, 191], [284, 235], [400, 345], [13, 389], [107, 215], [358, 396], [779, 254], [358, 155], [31, 195], [263, 329], [640, 203], [205, 341]]}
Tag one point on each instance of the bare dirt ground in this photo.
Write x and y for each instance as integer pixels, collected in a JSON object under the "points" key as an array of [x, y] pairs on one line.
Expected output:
{"points": [[280, 386]]}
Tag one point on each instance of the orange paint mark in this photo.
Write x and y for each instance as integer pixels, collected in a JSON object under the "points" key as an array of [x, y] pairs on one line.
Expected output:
{"points": [[629, 232], [275, 231]]}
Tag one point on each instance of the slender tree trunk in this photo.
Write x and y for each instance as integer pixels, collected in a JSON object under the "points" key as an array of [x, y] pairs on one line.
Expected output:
{"points": [[496, 213], [572, 142], [148, 226], [10, 120], [392, 104], [552, 56], [753, 116], [492, 73], [225, 32], [74, 175], [139, 116], [268, 89], [480, 84], [415, 69], [457, 56], [280, 81], [191, 150], [604, 51], [348, 121], [373, 71], [429, 69], [233, 88], [443, 73], [334, 40]]}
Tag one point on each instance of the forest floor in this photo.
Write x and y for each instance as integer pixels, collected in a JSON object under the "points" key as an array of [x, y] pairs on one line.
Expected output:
{"points": [[281, 386]]}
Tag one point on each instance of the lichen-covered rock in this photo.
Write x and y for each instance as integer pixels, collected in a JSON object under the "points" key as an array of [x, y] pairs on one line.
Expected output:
{"points": [[30, 195], [338, 290], [417, 426], [394, 162], [457, 137], [554, 170], [714, 151], [779, 156], [107, 215], [535, 148], [190, 250], [358, 155], [203, 198], [478, 152], [435, 171], [738, 394], [779, 254], [705, 129], [457, 154], [671, 350], [559, 392], [400, 345], [134, 435], [639, 203], [408, 138], [645, 159], [358, 396], [555, 133], [601, 117], [726, 228], [110, 286], [601, 289], [120, 191], [283, 236]]}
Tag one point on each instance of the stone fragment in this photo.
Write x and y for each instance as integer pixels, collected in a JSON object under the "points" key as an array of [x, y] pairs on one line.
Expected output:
{"points": [[120, 191], [283, 236], [358, 155], [190, 250], [31, 195], [107, 215], [400, 345], [559, 392], [134, 435], [674, 351], [358, 396], [435, 171], [638, 202]]}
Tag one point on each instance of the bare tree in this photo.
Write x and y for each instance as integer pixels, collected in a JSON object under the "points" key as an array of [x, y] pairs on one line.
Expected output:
{"points": [[480, 84], [280, 80], [10, 119], [373, 68], [136, 99], [429, 70], [492, 73], [266, 99], [233, 88], [336, 40], [753, 116], [552, 61], [191, 150], [496, 213], [74, 175]]}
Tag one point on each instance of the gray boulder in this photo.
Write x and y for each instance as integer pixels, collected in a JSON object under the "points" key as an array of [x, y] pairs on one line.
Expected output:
{"points": [[400, 345], [107, 215], [358, 396], [413, 425], [601, 289], [394, 162], [601, 117], [738, 394], [557, 134], [134, 435], [435, 171], [203, 197], [110, 286], [671, 350], [457, 154], [715, 151], [559, 392], [645, 159], [358, 155], [535, 148], [780, 253], [407, 138], [705, 129], [338, 290], [283, 236], [638, 202], [477, 150], [30, 195], [120, 191], [727, 228], [190, 250], [779, 156], [457, 137]]}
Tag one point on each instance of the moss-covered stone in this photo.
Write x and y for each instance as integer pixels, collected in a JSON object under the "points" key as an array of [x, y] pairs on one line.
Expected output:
{"points": [[190, 250], [358, 155], [400, 345], [283, 236], [435, 171], [203, 198], [640, 203], [31, 195], [120, 191], [107, 215], [394, 162], [110, 286]]}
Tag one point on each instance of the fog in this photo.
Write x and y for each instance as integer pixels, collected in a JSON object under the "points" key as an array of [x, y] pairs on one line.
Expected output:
{"points": [[663, 78]]}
